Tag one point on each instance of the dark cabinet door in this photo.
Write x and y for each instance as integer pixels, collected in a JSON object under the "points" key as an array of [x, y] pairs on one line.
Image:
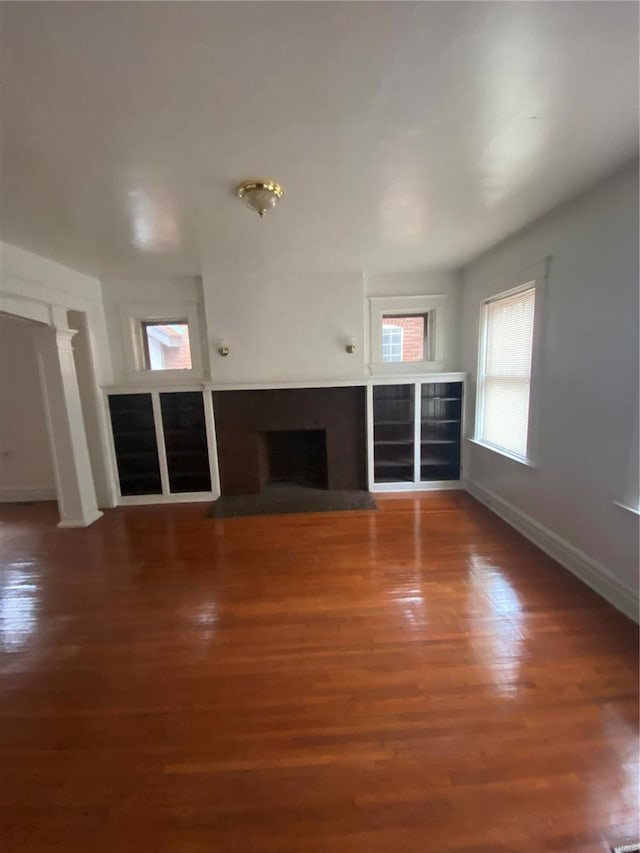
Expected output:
{"points": [[440, 429], [393, 433], [185, 439], [134, 439]]}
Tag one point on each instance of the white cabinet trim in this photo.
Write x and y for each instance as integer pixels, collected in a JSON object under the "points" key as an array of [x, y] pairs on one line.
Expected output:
{"points": [[418, 484], [162, 448]]}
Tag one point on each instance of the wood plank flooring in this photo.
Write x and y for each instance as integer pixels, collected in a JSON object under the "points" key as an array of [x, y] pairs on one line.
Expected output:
{"points": [[414, 680]]}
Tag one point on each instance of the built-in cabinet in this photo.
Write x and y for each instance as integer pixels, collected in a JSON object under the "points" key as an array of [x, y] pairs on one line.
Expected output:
{"points": [[163, 444], [415, 431], [394, 433], [185, 440], [135, 444]]}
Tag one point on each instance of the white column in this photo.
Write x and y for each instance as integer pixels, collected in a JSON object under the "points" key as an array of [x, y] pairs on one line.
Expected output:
{"points": [[65, 424]]}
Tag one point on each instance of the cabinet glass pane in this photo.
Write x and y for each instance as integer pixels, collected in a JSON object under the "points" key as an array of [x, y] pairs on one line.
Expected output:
{"points": [[440, 425], [134, 439], [185, 439], [393, 433]]}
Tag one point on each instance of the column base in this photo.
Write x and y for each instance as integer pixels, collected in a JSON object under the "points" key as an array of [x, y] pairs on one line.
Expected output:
{"points": [[81, 522]]}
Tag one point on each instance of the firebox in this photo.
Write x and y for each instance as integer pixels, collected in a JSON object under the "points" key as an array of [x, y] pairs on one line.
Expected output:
{"points": [[296, 456]]}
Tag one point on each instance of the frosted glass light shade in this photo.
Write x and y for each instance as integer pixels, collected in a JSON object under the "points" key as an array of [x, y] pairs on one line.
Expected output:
{"points": [[260, 196]]}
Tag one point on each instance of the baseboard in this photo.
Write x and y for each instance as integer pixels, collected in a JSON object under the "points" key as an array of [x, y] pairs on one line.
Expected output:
{"points": [[594, 574], [26, 495], [431, 486], [81, 522], [175, 498]]}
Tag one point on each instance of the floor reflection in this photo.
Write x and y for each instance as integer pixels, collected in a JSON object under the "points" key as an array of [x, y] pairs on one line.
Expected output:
{"points": [[409, 593], [496, 617], [18, 606], [205, 617]]}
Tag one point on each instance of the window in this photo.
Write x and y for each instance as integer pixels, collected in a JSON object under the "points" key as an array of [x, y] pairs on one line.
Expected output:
{"points": [[404, 338], [166, 345], [392, 342], [504, 371], [419, 342]]}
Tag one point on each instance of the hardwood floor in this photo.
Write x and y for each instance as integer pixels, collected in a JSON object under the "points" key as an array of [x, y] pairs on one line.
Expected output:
{"points": [[414, 680]]}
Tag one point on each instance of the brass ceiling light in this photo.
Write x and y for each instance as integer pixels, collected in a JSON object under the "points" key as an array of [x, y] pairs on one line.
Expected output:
{"points": [[260, 196]]}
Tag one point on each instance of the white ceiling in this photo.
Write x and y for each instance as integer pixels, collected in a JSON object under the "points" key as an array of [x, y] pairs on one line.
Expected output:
{"points": [[405, 135]]}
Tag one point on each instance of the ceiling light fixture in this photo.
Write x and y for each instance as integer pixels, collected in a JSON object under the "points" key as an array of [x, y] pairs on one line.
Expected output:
{"points": [[260, 196]]}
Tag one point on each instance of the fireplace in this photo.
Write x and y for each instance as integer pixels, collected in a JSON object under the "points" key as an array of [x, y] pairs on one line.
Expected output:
{"points": [[313, 436], [296, 457]]}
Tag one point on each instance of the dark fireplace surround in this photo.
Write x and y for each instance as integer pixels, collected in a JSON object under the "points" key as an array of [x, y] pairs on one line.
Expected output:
{"points": [[307, 436]]}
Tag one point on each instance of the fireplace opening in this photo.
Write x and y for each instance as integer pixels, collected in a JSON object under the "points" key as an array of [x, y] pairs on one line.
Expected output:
{"points": [[296, 457]]}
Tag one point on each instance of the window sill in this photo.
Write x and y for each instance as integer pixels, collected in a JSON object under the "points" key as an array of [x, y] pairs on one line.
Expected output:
{"points": [[634, 509], [405, 368], [528, 463], [164, 377]]}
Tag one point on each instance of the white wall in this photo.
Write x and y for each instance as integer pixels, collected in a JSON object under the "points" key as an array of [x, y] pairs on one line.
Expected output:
{"points": [[26, 471], [589, 382], [428, 283], [295, 327], [170, 297], [279, 327], [32, 286], [286, 327]]}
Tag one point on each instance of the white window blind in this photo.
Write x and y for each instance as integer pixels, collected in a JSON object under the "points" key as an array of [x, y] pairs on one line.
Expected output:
{"points": [[505, 375]]}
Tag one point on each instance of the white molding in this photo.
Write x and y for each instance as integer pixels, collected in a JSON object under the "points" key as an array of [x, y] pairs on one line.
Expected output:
{"points": [[418, 377], [417, 430], [360, 382], [403, 369], [175, 498], [634, 509], [370, 433], [24, 308], [152, 386], [212, 443], [26, 494], [40, 341], [502, 452], [80, 522], [64, 338], [161, 447], [586, 569], [430, 486], [35, 277], [284, 384]]}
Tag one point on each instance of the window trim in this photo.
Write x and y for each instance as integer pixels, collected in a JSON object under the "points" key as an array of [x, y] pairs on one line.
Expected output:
{"points": [[631, 498], [501, 451], [537, 283], [433, 307], [133, 315]]}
